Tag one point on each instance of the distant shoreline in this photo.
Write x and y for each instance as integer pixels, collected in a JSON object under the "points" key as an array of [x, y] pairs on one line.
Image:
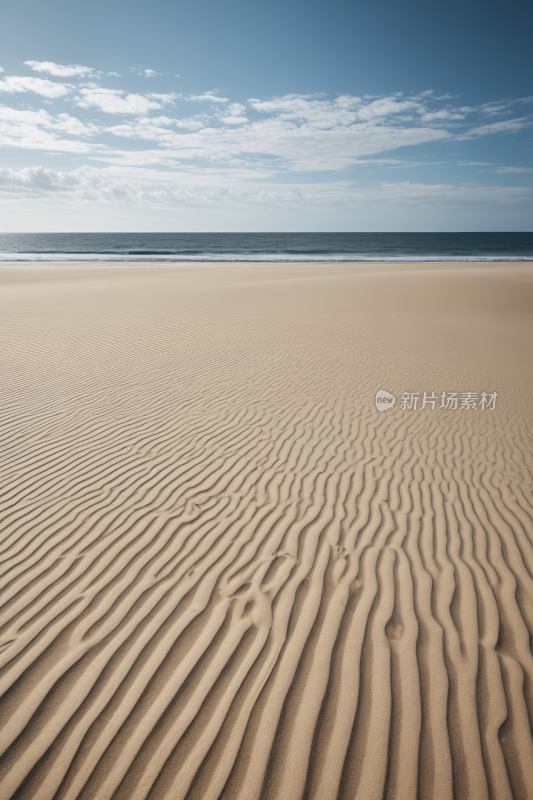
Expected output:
{"points": [[118, 263]]}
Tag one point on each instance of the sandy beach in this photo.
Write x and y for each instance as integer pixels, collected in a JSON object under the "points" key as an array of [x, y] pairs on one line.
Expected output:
{"points": [[225, 573]]}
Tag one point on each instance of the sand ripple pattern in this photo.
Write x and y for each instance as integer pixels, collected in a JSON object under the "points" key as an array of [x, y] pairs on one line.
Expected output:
{"points": [[263, 601]]}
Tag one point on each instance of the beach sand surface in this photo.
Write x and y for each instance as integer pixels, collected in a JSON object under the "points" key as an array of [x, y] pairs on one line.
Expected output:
{"points": [[225, 573]]}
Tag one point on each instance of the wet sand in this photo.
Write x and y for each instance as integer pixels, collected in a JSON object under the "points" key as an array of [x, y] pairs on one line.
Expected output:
{"points": [[225, 573]]}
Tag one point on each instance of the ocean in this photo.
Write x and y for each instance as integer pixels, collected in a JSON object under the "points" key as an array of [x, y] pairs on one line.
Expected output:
{"points": [[28, 249]]}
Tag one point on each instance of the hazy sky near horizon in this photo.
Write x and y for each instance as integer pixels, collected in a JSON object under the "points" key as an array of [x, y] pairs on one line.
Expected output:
{"points": [[265, 116]]}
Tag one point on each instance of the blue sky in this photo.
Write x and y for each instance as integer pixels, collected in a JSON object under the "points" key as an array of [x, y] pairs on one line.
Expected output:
{"points": [[266, 116]]}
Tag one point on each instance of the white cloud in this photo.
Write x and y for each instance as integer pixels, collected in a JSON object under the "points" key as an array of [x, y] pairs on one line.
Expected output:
{"points": [[234, 114], [295, 147], [289, 134], [60, 70], [494, 109], [164, 98], [233, 157], [37, 179], [234, 120], [150, 73], [114, 74], [156, 129], [444, 113], [206, 97], [294, 132], [116, 101], [343, 111], [1, 69], [39, 130], [14, 83]]}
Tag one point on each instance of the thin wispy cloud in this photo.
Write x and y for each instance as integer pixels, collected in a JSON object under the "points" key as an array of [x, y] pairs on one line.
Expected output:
{"points": [[505, 126], [61, 70], [408, 193], [142, 186], [503, 107], [164, 98], [512, 170]]}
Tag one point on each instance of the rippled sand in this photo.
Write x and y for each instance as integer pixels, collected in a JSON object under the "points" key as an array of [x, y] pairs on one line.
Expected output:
{"points": [[225, 574]]}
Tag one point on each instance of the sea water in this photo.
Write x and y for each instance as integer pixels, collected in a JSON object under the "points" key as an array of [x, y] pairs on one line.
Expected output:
{"points": [[85, 249]]}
